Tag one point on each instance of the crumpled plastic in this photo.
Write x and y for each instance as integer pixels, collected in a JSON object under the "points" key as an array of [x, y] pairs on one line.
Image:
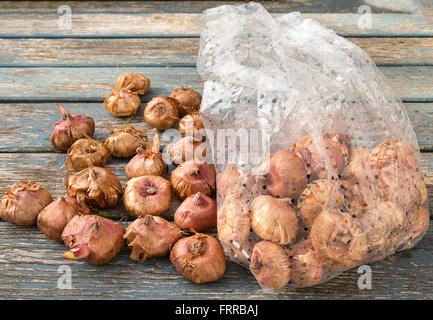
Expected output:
{"points": [[318, 167]]}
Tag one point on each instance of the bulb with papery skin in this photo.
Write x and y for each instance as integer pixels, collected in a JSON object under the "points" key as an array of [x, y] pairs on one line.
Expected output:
{"points": [[198, 212], [147, 194], [318, 195], [54, 217], [191, 177], [234, 221], [85, 153], [22, 203], [189, 100], [235, 181], [92, 238], [307, 269], [287, 177], [199, 258], [338, 239], [147, 162], [324, 158], [122, 103], [359, 169], [151, 236], [234, 228], [191, 125], [95, 188], [162, 113], [123, 142], [378, 224], [133, 82], [389, 152], [403, 186], [270, 265], [70, 128], [359, 197], [274, 219]]}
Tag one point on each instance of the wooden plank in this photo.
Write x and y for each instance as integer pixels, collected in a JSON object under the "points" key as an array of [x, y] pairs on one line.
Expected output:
{"points": [[174, 51], [48, 169], [29, 267], [412, 83], [86, 84], [99, 52], [189, 24], [421, 116], [311, 6], [26, 127], [398, 51]]}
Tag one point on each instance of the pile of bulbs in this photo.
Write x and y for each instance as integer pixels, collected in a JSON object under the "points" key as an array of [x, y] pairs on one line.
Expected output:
{"points": [[309, 216], [313, 210], [146, 195]]}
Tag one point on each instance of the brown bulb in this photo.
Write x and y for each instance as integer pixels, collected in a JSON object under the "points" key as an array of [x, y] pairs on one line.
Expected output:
{"points": [[147, 162], [54, 217], [123, 142], [190, 100], [191, 177], [161, 113], [318, 195], [95, 188], [70, 128], [287, 177], [85, 153], [147, 195], [273, 219], [307, 269], [198, 212], [270, 265], [92, 238], [199, 258], [122, 103], [22, 203], [151, 236], [133, 82], [338, 239]]}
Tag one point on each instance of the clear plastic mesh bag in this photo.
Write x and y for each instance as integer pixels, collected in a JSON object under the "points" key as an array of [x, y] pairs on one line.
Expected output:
{"points": [[318, 167]]}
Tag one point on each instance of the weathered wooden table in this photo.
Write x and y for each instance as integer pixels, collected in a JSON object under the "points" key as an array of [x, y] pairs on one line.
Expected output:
{"points": [[43, 62]]}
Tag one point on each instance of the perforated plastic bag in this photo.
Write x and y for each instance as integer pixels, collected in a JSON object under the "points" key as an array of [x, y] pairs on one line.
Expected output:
{"points": [[318, 165]]}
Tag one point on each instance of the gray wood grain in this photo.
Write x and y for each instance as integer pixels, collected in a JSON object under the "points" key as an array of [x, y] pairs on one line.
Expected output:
{"points": [[175, 51], [48, 169], [411, 83], [29, 265], [190, 24], [317, 6]]}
